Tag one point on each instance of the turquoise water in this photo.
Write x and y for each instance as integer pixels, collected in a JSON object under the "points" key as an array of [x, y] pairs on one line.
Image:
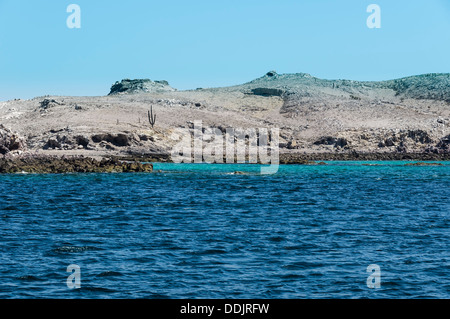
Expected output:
{"points": [[200, 231]]}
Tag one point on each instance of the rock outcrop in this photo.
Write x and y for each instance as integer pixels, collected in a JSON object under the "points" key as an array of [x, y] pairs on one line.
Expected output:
{"points": [[444, 144], [48, 103], [10, 142], [330, 140], [116, 140], [80, 164], [127, 86]]}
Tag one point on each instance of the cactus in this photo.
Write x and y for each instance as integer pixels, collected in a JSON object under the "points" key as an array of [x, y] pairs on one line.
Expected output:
{"points": [[151, 117]]}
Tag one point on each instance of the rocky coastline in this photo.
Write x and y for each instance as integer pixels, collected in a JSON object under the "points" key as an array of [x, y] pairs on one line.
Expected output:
{"points": [[296, 158], [44, 164], [142, 121], [78, 164]]}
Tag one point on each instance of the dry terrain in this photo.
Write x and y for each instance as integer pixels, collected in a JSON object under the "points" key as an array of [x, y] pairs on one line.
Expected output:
{"points": [[315, 116]]}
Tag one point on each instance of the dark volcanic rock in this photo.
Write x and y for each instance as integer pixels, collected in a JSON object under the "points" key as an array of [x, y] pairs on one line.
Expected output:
{"points": [[326, 140], [330, 140], [268, 92], [82, 140], [117, 140], [50, 164], [444, 145], [389, 142], [420, 136], [47, 103], [299, 158], [423, 164], [52, 143], [272, 74]]}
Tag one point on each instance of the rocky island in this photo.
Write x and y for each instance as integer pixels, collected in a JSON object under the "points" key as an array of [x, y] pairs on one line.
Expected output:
{"points": [[318, 119]]}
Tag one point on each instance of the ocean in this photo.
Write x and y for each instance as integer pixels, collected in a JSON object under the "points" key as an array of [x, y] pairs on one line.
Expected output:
{"points": [[200, 231]]}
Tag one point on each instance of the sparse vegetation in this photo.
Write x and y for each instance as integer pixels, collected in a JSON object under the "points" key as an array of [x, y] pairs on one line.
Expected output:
{"points": [[303, 108], [151, 117]]}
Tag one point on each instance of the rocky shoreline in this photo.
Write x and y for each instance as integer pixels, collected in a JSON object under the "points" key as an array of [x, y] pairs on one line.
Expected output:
{"points": [[78, 164], [308, 158], [43, 164], [296, 158], [142, 121], [317, 119]]}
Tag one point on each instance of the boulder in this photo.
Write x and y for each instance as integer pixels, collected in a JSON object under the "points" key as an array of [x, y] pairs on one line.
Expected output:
{"points": [[82, 140], [271, 74], [10, 141], [326, 140], [292, 145], [330, 140], [389, 142], [52, 143], [420, 136], [116, 140], [444, 144], [59, 142], [47, 103]]}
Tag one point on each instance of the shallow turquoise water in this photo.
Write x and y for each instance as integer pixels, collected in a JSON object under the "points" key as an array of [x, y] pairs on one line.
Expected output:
{"points": [[199, 231]]}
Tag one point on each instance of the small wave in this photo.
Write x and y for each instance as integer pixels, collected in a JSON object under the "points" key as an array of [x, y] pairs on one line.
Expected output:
{"points": [[277, 239], [210, 252], [73, 249], [109, 274], [98, 289], [28, 278], [291, 276], [237, 173], [302, 265]]}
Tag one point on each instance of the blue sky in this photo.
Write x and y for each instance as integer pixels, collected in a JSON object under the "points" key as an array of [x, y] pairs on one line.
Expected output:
{"points": [[209, 43]]}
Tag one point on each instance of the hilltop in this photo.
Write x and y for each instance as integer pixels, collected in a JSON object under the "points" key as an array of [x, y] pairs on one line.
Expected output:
{"points": [[127, 86]]}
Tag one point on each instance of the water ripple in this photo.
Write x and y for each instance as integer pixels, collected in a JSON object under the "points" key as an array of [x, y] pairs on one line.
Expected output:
{"points": [[195, 231]]}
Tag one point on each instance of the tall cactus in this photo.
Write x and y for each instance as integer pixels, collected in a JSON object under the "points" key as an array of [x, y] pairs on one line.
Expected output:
{"points": [[151, 117]]}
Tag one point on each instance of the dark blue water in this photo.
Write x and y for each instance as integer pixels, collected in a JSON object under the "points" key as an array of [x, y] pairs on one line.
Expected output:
{"points": [[197, 231]]}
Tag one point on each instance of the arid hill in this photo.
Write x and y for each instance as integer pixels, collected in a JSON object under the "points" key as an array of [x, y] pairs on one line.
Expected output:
{"points": [[315, 116]]}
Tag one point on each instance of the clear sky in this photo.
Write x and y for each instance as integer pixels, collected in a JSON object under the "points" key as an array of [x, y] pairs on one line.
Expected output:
{"points": [[208, 43]]}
